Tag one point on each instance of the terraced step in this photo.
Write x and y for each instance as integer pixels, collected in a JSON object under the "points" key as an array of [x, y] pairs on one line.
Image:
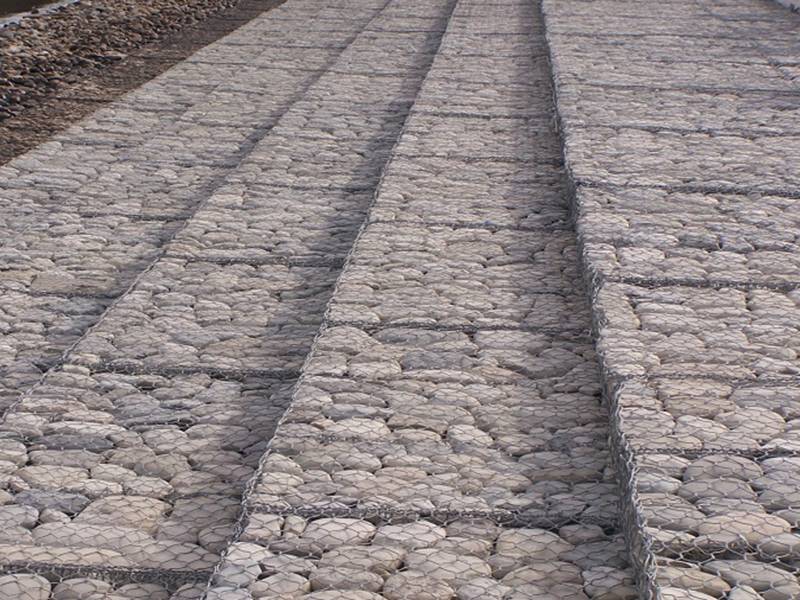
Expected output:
{"points": [[680, 133], [137, 446], [86, 213], [446, 437]]}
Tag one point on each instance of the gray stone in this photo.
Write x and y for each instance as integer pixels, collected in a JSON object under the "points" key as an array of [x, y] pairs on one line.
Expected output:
{"points": [[30, 587], [416, 584], [411, 536], [18, 516], [453, 568], [344, 578], [280, 584], [125, 511], [329, 533], [63, 502], [79, 588]]}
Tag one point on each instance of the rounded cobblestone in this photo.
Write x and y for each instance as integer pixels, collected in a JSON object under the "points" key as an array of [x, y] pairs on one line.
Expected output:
{"points": [[446, 437]]}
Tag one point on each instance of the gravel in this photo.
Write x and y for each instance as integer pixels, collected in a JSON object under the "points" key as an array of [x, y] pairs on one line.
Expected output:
{"points": [[40, 51], [59, 66]]}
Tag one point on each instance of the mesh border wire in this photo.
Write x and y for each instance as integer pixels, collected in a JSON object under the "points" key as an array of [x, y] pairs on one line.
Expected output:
{"points": [[246, 508], [639, 543]]}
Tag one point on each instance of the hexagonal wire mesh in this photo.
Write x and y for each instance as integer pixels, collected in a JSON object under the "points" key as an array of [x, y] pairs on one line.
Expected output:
{"points": [[431, 483], [695, 300], [408, 557], [703, 438], [703, 410], [127, 486], [43, 582], [717, 486], [402, 483]]}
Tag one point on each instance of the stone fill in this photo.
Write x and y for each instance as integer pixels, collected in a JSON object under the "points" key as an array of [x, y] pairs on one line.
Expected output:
{"points": [[680, 135], [330, 309], [446, 437]]}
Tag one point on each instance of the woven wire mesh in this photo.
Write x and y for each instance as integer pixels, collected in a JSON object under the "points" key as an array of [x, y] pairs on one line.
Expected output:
{"points": [[463, 455], [407, 557], [717, 486], [723, 523], [127, 486], [427, 456], [710, 427], [695, 316], [693, 295], [45, 584]]}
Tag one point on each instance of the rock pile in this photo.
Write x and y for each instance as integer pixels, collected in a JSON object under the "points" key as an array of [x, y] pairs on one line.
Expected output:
{"points": [[40, 52]]}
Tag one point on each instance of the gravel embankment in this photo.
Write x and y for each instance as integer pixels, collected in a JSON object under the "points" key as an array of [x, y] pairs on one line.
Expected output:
{"points": [[38, 53], [57, 67]]}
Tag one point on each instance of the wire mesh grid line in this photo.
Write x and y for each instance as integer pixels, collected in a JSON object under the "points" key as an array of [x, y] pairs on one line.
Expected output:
{"points": [[703, 439]]}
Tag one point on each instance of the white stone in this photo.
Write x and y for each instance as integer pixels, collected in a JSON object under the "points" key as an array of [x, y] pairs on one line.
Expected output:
{"points": [[412, 536]]}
